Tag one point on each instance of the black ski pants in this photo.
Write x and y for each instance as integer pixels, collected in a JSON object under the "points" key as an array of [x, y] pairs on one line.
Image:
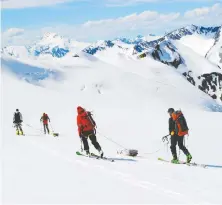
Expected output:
{"points": [[91, 135], [46, 127], [175, 139], [18, 127]]}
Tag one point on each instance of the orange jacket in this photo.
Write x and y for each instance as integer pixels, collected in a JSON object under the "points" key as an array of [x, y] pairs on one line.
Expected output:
{"points": [[83, 121], [181, 128]]}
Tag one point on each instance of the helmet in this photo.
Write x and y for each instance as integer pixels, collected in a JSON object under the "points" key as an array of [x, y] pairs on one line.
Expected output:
{"points": [[17, 110], [170, 110]]}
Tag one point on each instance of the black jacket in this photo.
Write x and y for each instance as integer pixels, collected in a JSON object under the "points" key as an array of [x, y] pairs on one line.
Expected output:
{"points": [[17, 117]]}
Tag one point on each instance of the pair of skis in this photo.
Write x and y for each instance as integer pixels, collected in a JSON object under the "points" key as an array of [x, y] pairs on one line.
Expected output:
{"points": [[92, 155]]}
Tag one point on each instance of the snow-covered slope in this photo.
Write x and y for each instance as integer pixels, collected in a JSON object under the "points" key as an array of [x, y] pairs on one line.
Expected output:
{"points": [[198, 43], [16, 51], [166, 53], [200, 72], [198, 38], [130, 105], [215, 53]]}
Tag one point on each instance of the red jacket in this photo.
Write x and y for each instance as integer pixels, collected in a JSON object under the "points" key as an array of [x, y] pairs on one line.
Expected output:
{"points": [[45, 119], [83, 121]]}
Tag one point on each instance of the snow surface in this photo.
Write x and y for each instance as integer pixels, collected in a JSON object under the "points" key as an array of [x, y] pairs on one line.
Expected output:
{"points": [[215, 53], [129, 99], [198, 43]]}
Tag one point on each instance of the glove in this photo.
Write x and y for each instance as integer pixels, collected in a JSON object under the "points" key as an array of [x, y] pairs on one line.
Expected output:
{"points": [[21, 121], [172, 133]]}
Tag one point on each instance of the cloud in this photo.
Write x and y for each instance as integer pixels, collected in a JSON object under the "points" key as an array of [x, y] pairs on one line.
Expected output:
{"points": [[18, 4], [144, 20], [14, 32], [131, 25], [124, 3], [216, 9]]}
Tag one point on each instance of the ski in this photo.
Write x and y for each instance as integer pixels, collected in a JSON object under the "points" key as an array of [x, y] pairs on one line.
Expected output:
{"points": [[94, 156], [180, 162], [188, 164], [104, 158], [84, 155]]}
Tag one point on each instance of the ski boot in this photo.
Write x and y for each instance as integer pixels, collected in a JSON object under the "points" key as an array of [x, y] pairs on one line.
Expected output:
{"points": [[189, 157], [88, 153], [101, 153], [17, 132], [175, 160]]}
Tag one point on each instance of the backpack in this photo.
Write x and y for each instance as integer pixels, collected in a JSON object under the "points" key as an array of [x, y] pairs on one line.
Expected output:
{"points": [[17, 117], [90, 118], [181, 124], [45, 117]]}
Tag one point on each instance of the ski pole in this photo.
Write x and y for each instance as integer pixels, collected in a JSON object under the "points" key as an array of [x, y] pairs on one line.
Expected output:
{"points": [[165, 138], [51, 127]]}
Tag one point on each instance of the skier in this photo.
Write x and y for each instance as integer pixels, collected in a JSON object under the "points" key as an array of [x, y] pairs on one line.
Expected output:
{"points": [[86, 128], [17, 120], [45, 119], [177, 129]]}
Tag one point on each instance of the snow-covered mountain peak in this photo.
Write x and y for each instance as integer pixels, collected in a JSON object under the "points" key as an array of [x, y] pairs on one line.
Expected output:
{"points": [[53, 39], [98, 46], [209, 32], [50, 35]]}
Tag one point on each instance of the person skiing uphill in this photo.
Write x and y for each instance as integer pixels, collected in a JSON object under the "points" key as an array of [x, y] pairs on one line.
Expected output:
{"points": [[17, 120], [177, 129], [86, 129], [45, 119]]}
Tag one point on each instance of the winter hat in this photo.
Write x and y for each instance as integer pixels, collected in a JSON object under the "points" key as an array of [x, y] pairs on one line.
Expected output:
{"points": [[170, 110]]}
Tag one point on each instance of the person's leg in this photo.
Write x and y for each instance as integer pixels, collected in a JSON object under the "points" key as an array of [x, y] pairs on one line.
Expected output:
{"points": [[20, 128], [44, 128], [17, 128], [93, 139], [173, 146], [85, 143], [47, 127], [184, 149], [181, 145]]}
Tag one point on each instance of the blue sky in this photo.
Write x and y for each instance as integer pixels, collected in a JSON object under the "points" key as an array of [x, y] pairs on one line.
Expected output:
{"points": [[75, 14], [80, 12]]}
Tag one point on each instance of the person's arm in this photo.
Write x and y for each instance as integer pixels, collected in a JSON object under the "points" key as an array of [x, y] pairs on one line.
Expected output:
{"points": [[79, 125], [14, 118], [171, 126], [41, 119], [21, 118], [48, 118]]}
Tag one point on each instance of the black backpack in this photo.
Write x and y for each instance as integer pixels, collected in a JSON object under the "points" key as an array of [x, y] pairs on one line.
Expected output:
{"points": [[17, 117]]}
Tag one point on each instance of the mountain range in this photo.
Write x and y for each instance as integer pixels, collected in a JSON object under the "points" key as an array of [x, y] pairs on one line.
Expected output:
{"points": [[194, 51]]}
